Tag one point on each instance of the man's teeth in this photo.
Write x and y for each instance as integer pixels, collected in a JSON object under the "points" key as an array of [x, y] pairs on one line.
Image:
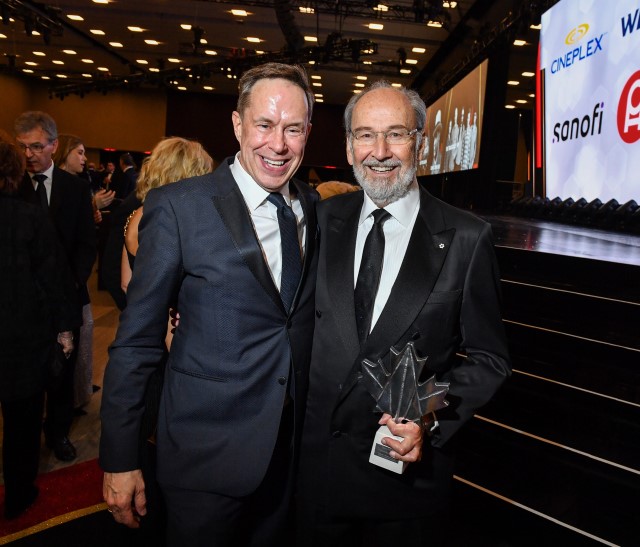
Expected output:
{"points": [[381, 168], [274, 163]]}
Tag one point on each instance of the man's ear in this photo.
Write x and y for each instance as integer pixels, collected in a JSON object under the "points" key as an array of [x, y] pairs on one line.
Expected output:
{"points": [[54, 146], [236, 120], [349, 152], [423, 142]]}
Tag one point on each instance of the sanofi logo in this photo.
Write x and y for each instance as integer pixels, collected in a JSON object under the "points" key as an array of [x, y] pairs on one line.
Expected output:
{"points": [[579, 53], [629, 110], [580, 128]]}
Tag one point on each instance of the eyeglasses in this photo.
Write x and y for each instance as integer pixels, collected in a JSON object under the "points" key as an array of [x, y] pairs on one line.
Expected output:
{"points": [[35, 148], [366, 137]]}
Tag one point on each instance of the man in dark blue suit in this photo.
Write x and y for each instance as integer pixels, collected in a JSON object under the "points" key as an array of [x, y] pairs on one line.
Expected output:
{"points": [[67, 199], [234, 251]]}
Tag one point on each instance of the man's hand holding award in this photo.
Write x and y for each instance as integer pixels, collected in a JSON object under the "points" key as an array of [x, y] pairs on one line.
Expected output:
{"points": [[398, 393]]}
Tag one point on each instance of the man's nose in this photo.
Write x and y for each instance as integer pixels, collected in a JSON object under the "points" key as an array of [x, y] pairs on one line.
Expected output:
{"points": [[381, 147], [277, 142]]}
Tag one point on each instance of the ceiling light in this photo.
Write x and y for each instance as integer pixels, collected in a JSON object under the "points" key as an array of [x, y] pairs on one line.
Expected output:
{"points": [[316, 77], [40, 53], [239, 12], [509, 106], [182, 88], [312, 62], [208, 88], [528, 74], [136, 29], [316, 84], [210, 52], [318, 95], [31, 63], [535, 27], [356, 91], [396, 85], [56, 62], [35, 33], [101, 1], [63, 76], [375, 26], [513, 82], [359, 85], [521, 101], [69, 51], [418, 49], [519, 42], [45, 77], [412, 61], [310, 39], [306, 10], [259, 52], [174, 60], [319, 100], [88, 61], [87, 75], [366, 62], [27, 70], [203, 41], [97, 31], [434, 24], [103, 69], [153, 69], [253, 39], [381, 7], [115, 44], [361, 77], [75, 17], [532, 95], [2, 36], [405, 71], [185, 26], [450, 5], [152, 42]]}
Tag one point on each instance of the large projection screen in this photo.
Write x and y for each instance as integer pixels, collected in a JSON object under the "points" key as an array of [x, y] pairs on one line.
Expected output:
{"points": [[454, 126], [590, 56]]}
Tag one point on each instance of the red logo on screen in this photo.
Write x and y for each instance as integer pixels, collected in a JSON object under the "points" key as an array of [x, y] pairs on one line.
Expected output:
{"points": [[629, 110]]}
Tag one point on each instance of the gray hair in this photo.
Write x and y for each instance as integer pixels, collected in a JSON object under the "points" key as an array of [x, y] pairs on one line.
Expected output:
{"points": [[28, 121], [419, 108], [293, 73]]}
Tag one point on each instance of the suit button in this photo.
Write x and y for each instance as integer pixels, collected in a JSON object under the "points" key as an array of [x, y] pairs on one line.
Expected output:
{"points": [[336, 434], [282, 380], [318, 314]]}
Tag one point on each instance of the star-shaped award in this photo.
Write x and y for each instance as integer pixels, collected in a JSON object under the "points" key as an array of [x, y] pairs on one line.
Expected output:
{"points": [[398, 392]]}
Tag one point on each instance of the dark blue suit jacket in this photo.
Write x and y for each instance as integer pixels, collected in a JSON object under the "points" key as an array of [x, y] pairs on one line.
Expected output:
{"points": [[231, 356]]}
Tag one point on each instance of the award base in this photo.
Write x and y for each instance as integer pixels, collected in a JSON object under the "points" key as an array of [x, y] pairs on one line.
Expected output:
{"points": [[380, 453]]}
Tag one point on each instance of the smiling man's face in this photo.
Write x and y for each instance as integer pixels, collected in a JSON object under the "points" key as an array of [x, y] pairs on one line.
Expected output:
{"points": [[272, 132], [385, 171]]}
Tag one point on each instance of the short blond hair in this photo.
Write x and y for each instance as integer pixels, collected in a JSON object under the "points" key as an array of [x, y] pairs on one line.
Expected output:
{"points": [[173, 159]]}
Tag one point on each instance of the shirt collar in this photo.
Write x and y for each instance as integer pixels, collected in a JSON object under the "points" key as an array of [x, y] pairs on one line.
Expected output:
{"points": [[48, 172], [402, 209], [254, 195]]}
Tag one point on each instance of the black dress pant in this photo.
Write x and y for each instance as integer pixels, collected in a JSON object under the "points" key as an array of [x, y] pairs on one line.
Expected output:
{"points": [[21, 445], [262, 519]]}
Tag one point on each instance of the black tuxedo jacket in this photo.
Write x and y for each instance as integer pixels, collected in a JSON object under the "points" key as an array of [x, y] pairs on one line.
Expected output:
{"points": [[445, 299], [71, 211], [228, 369]]}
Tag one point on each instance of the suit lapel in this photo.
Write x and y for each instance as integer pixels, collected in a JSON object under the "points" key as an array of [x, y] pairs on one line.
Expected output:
{"points": [[340, 242], [232, 209], [421, 266], [309, 210], [57, 191]]}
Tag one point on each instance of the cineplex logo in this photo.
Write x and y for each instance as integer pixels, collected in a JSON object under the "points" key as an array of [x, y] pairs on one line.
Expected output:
{"points": [[579, 53], [629, 110], [580, 128]]}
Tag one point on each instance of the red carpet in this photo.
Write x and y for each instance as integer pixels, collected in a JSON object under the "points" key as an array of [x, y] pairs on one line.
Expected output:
{"points": [[65, 494]]}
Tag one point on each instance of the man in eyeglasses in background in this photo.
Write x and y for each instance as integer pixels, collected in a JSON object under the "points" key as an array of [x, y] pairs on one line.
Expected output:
{"points": [[435, 283], [67, 200]]}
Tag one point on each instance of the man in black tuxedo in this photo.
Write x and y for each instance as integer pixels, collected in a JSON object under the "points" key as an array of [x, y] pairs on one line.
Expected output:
{"points": [[67, 199], [439, 288], [123, 182], [234, 251]]}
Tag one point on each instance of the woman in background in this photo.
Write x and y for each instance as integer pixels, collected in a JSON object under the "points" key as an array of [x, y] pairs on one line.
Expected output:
{"points": [[70, 156], [37, 301]]}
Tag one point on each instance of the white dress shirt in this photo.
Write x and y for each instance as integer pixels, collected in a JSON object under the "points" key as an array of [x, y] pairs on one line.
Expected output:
{"points": [[397, 232], [47, 183], [264, 216]]}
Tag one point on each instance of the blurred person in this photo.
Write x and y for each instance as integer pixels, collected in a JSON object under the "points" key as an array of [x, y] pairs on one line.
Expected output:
{"points": [[235, 249], [123, 181], [334, 188], [70, 157], [67, 201], [37, 312]]}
